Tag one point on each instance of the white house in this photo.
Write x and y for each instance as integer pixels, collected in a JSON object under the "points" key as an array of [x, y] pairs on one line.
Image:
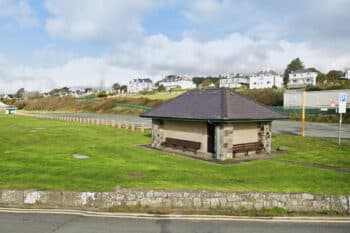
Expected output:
{"points": [[347, 74], [265, 79], [137, 85], [234, 81], [173, 81], [302, 78]]}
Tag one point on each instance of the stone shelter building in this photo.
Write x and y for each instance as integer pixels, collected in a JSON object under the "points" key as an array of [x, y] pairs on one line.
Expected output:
{"points": [[216, 123]]}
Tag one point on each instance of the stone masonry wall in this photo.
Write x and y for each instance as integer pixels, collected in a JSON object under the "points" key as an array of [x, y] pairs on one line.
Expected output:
{"points": [[226, 141], [265, 135], [157, 133], [199, 200]]}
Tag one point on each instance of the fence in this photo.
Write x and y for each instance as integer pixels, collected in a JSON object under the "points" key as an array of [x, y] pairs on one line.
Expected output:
{"points": [[133, 126]]}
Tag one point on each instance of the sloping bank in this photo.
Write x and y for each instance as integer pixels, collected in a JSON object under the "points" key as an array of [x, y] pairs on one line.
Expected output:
{"points": [[179, 200]]}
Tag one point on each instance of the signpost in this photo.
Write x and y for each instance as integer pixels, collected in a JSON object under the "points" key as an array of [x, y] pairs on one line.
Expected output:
{"points": [[341, 109]]}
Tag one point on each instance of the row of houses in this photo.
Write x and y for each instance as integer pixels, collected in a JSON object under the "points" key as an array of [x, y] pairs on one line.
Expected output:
{"points": [[270, 78], [169, 82], [264, 79]]}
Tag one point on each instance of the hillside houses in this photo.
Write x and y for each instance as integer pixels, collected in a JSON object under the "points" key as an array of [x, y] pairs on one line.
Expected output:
{"points": [[262, 79], [265, 79], [301, 78], [137, 85], [234, 80], [175, 81]]}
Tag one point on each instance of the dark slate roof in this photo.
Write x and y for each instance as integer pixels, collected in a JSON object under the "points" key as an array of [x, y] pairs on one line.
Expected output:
{"points": [[216, 104]]}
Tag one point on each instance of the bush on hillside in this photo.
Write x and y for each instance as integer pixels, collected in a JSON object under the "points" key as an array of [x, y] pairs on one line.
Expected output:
{"points": [[268, 96], [101, 94], [21, 104]]}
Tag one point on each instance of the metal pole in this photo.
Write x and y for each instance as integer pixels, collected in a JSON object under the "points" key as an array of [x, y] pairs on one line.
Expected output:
{"points": [[303, 115], [340, 122]]}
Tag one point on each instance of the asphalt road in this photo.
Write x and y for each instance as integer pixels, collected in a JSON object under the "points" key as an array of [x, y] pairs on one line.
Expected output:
{"points": [[325, 130], [62, 223], [313, 129]]}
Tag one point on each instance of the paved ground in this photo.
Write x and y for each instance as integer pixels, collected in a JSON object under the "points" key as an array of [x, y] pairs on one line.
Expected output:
{"points": [[326, 130], [60, 223]]}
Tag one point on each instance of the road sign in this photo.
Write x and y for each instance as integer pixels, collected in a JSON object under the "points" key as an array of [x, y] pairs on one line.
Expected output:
{"points": [[341, 109], [342, 102]]}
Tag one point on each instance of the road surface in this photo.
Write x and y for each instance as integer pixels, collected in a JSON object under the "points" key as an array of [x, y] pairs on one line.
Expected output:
{"points": [[325, 130], [65, 223]]}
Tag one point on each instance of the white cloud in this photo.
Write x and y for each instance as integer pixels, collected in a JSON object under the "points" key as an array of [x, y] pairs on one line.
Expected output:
{"points": [[233, 53], [93, 20], [79, 72], [20, 12], [51, 55], [238, 37], [318, 21], [159, 55]]}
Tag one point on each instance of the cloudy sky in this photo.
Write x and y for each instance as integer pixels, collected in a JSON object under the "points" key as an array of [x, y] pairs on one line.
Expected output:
{"points": [[53, 43]]}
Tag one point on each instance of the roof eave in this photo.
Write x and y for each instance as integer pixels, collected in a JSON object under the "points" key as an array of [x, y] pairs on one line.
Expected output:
{"points": [[216, 120]]}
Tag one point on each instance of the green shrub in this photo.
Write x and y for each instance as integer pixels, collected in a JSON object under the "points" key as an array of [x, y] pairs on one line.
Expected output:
{"points": [[101, 94], [21, 104], [268, 96]]}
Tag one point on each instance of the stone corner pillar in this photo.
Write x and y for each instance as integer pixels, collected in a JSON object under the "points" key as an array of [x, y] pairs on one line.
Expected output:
{"points": [[265, 135], [157, 133], [224, 141]]}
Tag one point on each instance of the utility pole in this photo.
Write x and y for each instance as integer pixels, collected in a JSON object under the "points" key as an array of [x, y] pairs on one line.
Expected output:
{"points": [[303, 114]]}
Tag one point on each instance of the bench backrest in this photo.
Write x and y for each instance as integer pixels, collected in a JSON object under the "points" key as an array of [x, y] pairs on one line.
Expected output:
{"points": [[247, 145], [184, 143]]}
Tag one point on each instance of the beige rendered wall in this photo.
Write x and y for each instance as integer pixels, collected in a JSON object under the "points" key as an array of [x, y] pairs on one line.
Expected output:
{"points": [[245, 133], [187, 130]]}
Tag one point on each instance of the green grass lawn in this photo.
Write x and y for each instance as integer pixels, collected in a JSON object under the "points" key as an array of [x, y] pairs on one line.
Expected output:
{"points": [[315, 150], [37, 154]]}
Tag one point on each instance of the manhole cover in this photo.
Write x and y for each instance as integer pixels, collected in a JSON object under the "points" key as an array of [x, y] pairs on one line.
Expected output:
{"points": [[78, 156]]}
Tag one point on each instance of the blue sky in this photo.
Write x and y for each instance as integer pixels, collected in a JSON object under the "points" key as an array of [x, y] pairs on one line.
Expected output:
{"points": [[53, 43]]}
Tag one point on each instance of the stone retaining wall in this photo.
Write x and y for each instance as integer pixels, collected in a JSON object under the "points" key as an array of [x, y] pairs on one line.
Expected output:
{"points": [[199, 200]]}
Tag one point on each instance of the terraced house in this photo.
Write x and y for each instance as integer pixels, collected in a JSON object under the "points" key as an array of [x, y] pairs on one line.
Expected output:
{"points": [[215, 123]]}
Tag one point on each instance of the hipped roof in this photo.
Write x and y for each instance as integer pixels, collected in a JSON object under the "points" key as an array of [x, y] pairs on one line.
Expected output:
{"points": [[216, 105]]}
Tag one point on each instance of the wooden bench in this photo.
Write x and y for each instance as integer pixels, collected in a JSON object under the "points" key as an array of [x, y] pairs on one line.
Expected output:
{"points": [[246, 147], [182, 144]]}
